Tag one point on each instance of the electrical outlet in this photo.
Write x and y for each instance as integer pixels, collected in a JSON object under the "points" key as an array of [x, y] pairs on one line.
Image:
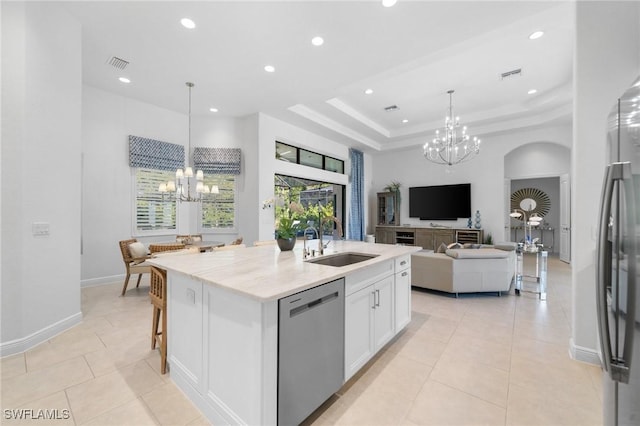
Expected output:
{"points": [[40, 229], [191, 296]]}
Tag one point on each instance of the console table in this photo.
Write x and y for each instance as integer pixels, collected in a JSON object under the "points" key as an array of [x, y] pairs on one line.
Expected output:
{"points": [[428, 238]]}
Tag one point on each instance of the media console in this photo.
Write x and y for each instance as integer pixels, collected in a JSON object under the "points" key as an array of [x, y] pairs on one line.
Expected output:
{"points": [[428, 238]]}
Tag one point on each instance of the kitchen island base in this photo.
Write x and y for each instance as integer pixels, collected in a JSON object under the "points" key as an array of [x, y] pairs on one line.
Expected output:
{"points": [[223, 320]]}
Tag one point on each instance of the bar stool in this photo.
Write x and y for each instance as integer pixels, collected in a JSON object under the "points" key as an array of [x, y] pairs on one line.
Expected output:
{"points": [[158, 296]]}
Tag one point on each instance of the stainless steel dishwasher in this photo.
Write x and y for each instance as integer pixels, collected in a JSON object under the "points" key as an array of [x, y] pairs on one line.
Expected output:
{"points": [[310, 350]]}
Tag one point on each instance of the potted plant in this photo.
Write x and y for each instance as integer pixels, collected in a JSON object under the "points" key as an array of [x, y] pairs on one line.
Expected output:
{"points": [[287, 225]]}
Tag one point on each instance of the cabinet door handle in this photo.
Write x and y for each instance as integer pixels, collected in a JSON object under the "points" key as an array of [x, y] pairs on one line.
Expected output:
{"points": [[404, 262], [378, 294], [404, 274]]}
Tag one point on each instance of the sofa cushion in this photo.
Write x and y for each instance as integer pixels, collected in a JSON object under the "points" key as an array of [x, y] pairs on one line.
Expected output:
{"points": [[477, 254], [137, 250], [508, 246]]}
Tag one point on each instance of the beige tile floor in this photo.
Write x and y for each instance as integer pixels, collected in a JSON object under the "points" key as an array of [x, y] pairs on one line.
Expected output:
{"points": [[476, 360]]}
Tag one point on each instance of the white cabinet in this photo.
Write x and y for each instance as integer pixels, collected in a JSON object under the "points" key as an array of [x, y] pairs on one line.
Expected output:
{"points": [[383, 312], [403, 292], [358, 335], [369, 322]]}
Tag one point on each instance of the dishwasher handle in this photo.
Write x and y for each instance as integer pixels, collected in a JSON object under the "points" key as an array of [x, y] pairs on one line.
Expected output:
{"points": [[313, 304]]}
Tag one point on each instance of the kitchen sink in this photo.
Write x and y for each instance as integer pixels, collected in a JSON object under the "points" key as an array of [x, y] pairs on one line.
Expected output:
{"points": [[342, 259]]}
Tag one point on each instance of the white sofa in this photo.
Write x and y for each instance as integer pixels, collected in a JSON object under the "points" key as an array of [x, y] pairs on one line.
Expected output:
{"points": [[465, 270]]}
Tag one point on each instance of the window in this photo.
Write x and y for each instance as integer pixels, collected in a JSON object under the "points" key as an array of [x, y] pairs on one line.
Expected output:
{"points": [[311, 194], [291, 154], [152, 211], [219, 210]]}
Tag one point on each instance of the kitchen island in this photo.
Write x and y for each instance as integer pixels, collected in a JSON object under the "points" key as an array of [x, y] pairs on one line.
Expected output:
{"points": [[223, 319]]}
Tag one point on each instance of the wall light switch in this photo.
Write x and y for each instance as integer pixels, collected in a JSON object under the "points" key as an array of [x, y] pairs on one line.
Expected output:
{"points": [[191, 296], [40, 229]]}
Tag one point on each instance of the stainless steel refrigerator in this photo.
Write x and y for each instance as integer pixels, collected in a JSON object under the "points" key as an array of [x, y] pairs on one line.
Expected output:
{"points": [[618, 266]]}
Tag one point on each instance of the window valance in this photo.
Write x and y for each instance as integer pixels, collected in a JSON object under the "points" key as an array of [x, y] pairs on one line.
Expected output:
{"points": [[223, 161], [153, 154]]}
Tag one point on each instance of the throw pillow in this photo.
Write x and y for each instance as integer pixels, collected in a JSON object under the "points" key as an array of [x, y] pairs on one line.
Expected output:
{"points": [[442, 248], [137, 249], [454, 246]]}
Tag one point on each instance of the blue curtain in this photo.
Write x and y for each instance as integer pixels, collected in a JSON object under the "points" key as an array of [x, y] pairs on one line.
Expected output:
{"points": [[356, 207]]}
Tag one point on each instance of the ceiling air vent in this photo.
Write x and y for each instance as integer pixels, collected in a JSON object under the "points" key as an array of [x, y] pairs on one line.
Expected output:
{"points": [[511, 73], [118, 62], [391, 108]]}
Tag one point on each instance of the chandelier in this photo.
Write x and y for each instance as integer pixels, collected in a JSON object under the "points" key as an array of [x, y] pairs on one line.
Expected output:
{"points": [[185, 178], [454, 145]]}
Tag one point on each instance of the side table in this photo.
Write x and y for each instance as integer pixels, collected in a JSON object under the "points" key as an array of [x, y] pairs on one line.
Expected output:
{"points": [[540, 277]]}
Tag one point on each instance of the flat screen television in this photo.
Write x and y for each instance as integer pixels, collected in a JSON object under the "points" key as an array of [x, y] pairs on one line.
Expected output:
{"points": [[441, 202]]}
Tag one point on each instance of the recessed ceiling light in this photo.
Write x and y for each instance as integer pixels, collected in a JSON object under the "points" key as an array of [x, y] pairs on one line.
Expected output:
{"points": [[124, 80], [405, 121], [389, 3], [368, 91], [188, 23], [269, 68], [536, 34], [317, 41], [213, 109], [532, 91]]}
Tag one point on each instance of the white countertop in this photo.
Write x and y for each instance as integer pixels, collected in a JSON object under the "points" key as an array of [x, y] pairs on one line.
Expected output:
{"points": [[266, 273]]}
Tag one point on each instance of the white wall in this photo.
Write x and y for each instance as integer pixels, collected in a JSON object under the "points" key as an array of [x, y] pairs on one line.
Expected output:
{"points": [[41, 145], [107, 204], [538, 160], [486, 174], [605, 64], [108, 120]]}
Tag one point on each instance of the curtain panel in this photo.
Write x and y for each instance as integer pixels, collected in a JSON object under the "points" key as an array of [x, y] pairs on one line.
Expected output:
{"points": [[153, 154], [356, 206], [222, 161]]}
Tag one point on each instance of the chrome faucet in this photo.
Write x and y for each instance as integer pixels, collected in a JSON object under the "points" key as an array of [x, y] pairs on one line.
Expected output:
{"points": [[305, 253], [322, 221]]}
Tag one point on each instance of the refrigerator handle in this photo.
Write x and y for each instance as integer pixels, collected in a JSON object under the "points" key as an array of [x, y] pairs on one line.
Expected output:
{"points": [[631, 253], [618, 368], [603, 275]]}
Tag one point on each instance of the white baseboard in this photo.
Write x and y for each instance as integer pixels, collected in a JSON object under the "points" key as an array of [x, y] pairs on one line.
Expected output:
{"points": [[24, 344], [580, 353], [93, 282]]}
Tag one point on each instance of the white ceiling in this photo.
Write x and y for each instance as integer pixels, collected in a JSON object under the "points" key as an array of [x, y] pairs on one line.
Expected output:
{"points": [[410, 55]]}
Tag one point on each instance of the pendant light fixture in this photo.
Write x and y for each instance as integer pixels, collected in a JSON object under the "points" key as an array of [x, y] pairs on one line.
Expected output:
{"points": [[183, 183], [454, 145]]}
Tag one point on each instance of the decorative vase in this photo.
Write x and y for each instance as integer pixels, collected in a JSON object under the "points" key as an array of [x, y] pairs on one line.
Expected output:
{"points": [[469, 224], [286, 244], [478, 226]]}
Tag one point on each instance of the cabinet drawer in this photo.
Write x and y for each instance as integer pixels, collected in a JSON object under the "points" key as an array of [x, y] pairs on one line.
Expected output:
{"points": [[361, 278], [402, 262]]}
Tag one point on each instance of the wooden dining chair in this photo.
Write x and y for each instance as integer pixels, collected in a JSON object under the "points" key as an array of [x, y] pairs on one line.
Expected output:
{"points": [[158, 296], [264, 243], [134, 254]]}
